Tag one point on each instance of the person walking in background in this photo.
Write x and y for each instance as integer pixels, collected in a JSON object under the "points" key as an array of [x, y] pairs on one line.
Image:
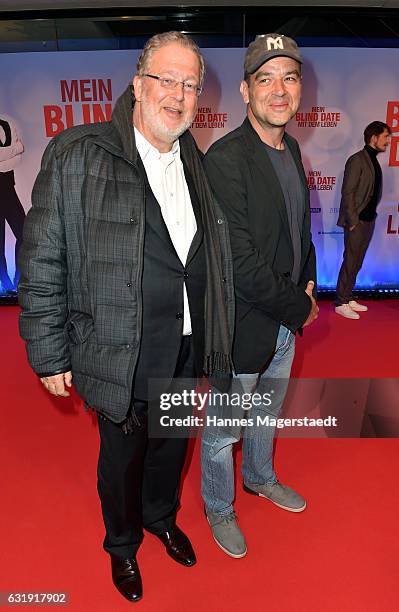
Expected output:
{"points": [[361, 193]]}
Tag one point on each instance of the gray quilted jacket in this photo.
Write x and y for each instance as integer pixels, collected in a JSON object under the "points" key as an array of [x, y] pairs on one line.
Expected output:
{"points": [[81, 261]]}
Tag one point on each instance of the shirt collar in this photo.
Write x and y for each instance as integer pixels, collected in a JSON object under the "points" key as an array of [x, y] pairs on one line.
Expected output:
{"points": [[145, 148]]}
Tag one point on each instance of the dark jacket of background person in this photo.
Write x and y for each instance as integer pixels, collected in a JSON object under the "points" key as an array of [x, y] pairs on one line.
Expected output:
{"points": [[357, 188], [82, 261], [247, 188]]}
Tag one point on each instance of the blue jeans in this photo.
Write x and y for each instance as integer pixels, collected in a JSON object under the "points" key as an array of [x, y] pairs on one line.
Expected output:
{"points": [[257, 451]]}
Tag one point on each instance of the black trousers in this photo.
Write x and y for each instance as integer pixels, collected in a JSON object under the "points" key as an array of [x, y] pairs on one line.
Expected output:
{"points": [[356, 244], [138, 476], [11, 210]]}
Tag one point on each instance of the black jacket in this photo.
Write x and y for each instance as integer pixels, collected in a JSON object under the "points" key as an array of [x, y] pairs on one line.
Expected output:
{"points": [[357, 188], [248, 190]]}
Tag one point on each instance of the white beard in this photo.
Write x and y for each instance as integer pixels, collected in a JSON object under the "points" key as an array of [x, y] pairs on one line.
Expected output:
{"points": [[158, 128]]}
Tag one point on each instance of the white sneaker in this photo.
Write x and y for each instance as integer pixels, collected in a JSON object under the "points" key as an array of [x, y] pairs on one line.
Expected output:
{"points": [[357, 307], [346, 311]]}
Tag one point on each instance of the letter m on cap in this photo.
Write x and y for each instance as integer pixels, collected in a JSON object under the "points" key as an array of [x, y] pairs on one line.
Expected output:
{"points": [[274, 43]]}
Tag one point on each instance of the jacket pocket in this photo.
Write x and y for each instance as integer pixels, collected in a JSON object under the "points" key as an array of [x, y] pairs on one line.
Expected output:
{"points": [[79, 327]]}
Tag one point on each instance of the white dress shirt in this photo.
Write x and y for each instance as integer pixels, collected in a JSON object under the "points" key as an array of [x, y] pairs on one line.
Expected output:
{"points": [[165, 175], [10, 156]]}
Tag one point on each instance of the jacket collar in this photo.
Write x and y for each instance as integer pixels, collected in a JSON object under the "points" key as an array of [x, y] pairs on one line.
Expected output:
{"points": [[262, 161], [254, 144], [118, 137], [254, 141]]}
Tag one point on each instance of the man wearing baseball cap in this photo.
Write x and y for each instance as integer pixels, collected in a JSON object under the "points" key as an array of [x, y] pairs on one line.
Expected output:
{"points": [[257, 176]]}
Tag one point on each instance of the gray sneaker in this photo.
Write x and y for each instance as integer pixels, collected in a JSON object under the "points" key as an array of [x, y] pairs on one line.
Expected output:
{"points": [[279, 494], [227, 534]]}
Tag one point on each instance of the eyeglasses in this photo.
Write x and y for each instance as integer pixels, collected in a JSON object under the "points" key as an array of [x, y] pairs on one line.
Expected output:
{"points": [[171, 84]]}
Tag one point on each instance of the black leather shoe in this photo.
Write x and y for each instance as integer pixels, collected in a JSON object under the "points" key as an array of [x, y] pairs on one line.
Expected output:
{"points": [[178, 546], [126, 578]]}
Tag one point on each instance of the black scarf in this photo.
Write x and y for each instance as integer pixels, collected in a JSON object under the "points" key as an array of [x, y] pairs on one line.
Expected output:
{"points": [[217, 328]]}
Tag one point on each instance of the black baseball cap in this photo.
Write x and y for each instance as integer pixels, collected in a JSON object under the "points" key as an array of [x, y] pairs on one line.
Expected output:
{"points": [[267, 46]]}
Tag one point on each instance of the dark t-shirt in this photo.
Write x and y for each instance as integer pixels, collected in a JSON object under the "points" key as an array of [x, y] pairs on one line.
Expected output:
{"points": [[369, 212], [294, 196]]}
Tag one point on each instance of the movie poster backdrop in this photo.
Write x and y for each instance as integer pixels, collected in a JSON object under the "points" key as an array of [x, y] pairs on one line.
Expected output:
{"points": [[343, 90]]}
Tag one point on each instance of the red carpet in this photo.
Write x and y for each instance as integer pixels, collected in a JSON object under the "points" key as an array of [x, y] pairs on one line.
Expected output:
{"points": [[340, 555]]}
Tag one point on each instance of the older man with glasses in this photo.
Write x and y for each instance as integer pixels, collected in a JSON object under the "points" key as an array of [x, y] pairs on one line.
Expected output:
{"points": [[126, 277]]}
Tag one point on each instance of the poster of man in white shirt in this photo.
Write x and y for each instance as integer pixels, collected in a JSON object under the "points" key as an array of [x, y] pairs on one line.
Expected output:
{"points": [[11, 209]]}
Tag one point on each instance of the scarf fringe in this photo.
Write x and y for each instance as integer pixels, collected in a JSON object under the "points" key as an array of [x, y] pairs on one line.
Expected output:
{"points": [[218, 364]]}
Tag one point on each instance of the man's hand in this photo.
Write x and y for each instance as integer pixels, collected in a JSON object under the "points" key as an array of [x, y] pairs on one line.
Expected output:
{"points": [[314, 312], [56, 384]]}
